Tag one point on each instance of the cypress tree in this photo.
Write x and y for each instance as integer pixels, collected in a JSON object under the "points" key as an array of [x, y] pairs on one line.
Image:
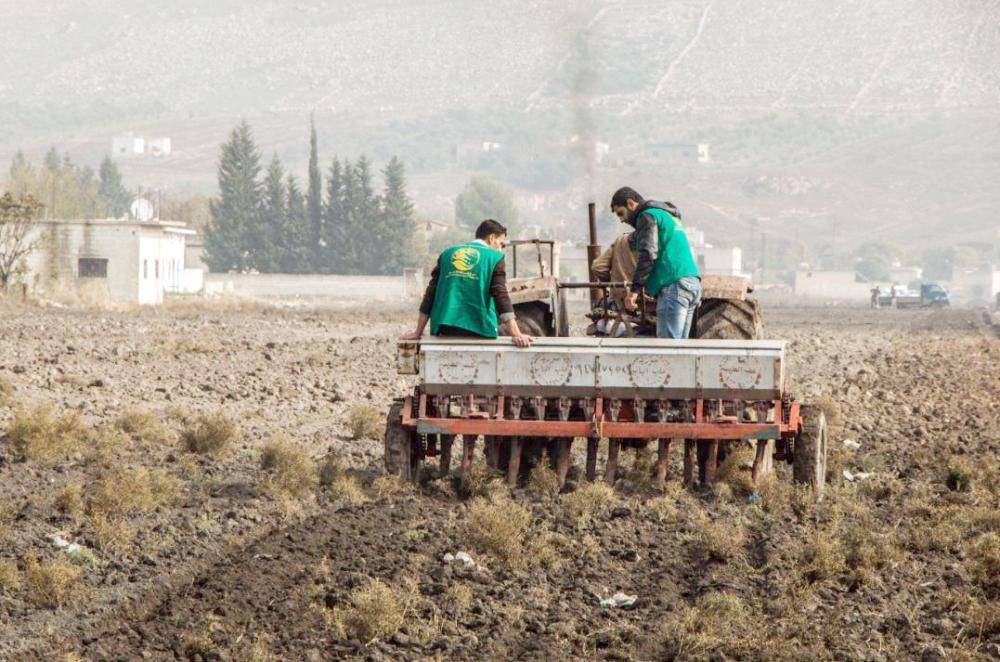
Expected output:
{"points": [[112, 195], [349, 255], [314, 203], [367, 237], [231, 236], [272, 245], [396, 220], [297, 255], [333, 241]]}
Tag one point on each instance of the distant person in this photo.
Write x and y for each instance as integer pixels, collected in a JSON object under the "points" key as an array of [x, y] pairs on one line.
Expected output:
{"points": [[665, 265], [876, 293], [467, 294], [893, 294]]}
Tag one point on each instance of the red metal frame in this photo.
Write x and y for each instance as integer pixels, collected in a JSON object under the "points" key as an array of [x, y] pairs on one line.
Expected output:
{"points": [[485, 423]]}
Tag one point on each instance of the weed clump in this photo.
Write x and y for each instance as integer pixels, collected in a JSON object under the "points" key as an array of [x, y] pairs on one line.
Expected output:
{"points": [[479, 480], [718, 625], [10, 578], [52, 583], [716, 540], [330, 469], [210, 434], [68, 501], [982, 558], [364, 421], [587, 500], [287, 469], [39, 435], [347, 489], [497, 527], [142, 425], [376, 610], [543, 481], [960, 476]]}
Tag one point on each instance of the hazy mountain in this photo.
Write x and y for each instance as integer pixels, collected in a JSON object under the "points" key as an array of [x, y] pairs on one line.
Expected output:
{"points": [[870, 114]]}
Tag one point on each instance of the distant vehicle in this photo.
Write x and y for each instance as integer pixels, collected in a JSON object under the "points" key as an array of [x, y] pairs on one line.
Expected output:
{"points": [[931, 295]]}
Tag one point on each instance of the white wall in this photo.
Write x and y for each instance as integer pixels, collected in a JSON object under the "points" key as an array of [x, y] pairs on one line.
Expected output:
{"points": [[293, 286], [831, 285]]}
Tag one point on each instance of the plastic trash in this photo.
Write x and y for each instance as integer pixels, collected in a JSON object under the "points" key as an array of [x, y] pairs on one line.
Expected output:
{"points": [[464, 558], [448, 557], [619, 600], [753, 498], [70, 547], [861, 475], [851, 444]]}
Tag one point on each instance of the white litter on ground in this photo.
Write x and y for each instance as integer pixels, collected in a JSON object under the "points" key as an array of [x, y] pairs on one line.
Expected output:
{"points": [[850, 443], [70, 547], [462, 557], [861, 475], [619, 600]]}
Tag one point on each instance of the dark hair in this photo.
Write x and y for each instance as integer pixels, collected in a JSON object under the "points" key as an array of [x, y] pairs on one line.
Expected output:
{"points": [[623, 195], [488, 227]]}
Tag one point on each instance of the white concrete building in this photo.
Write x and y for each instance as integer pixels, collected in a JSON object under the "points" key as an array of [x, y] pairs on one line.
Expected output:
{"points": [[715, 261], [831, 285], [136, 261]]}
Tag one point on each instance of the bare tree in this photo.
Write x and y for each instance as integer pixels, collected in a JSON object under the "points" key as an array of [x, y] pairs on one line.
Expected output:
{"points": [[17, 218]]}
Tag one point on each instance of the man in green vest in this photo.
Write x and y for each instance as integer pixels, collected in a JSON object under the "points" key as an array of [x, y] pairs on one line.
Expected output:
{"points": [[666, 267], [467, 295]]}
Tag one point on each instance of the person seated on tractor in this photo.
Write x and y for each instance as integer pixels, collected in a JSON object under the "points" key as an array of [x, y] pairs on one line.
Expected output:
{"points": [[615, 265], [666, 267], [467, 294]]}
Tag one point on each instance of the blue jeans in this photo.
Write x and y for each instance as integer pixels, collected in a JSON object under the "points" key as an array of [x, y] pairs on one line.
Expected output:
{"points": [[675, 306]]}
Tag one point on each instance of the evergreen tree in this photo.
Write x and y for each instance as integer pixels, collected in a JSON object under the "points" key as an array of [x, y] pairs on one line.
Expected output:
{"points": [[368, 241], [270, 254], [484, 198], [53, 163], [349, 255], [297, 255], [314, 204], [396, 222], [230, 239], [112, 196], [333, 241], [19, 166]]}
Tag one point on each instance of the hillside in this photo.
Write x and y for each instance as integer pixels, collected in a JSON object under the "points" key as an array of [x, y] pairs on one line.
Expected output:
{"points": [[886, 109]]}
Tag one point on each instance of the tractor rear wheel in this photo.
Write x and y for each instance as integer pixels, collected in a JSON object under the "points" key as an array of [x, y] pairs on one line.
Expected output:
{"points": [[728, 319], [809, 452], [402, 456]]}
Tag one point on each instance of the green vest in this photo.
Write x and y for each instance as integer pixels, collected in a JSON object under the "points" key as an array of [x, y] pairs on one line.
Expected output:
{"points": [[462, 298], [674, 259]]}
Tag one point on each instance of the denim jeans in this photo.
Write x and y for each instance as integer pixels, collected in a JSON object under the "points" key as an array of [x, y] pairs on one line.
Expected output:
{"points": [[675, 306]]}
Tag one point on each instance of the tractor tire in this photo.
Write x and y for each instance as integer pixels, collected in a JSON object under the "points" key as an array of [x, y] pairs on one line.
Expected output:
{"points": [[809, 451], [401, 452], [562, 314], [728, 319], [531, 320]]}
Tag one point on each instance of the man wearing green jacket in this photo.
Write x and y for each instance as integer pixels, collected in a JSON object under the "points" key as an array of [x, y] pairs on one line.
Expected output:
{"points": [[467, 295], [666, 267]]}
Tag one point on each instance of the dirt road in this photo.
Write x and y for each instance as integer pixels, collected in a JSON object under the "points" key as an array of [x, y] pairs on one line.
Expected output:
{"points": [[893, 565]]}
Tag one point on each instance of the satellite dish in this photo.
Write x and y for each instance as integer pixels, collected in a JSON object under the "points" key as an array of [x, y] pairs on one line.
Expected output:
{"points": [[141, 209]]}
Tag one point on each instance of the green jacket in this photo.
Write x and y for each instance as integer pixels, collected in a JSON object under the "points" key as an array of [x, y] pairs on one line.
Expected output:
{"points": [[462, 298], [662, 246]]}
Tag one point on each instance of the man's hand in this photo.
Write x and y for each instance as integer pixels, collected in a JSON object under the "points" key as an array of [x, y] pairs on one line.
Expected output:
{"points": [[631, 303], [521, 340], [413, 335]]}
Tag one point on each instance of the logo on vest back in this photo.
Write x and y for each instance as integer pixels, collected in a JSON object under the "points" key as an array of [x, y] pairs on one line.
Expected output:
{"points": [[465, 259]]}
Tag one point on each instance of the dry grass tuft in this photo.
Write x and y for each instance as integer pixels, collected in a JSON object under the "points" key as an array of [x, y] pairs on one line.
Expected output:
{"points": [[822, 557], [385, 486], [732, 472], [7, 391], [718, 626], [497, 526], [459, 597], [288, 468], [588, 500], [960, 476], [41, 436], [52, 583], [143, 426], [10, 577], [347, 489], [480, 481], [663, 509], [330, 469], [376, 610], [364, 421], [716, 540], [210, 434], [543, 481], [68, 501], [126, 491], [111, 533], [982, 560]]}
